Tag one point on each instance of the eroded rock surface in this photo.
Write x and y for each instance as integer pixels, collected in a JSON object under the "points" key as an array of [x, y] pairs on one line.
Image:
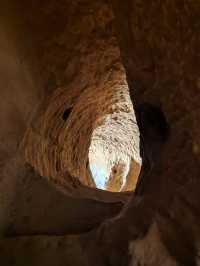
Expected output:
{"points": [[159, 42], [88, 127]]}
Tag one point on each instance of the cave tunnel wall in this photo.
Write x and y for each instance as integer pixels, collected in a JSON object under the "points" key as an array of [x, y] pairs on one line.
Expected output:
{"points": [[159, 43], [97, 93]]}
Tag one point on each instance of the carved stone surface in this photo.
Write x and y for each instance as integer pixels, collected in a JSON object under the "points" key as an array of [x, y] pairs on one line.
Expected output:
{"points": [[159, 43], [99, 133]]}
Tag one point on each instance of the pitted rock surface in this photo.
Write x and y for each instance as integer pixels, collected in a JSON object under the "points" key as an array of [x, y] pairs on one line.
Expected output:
{"points": [[90, 122]]}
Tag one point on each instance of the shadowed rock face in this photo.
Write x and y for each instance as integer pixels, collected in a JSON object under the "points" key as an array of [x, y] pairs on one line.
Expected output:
{"points": [[160, 54], [100, 124], [154, 134], [66, 58], [159, 47]]}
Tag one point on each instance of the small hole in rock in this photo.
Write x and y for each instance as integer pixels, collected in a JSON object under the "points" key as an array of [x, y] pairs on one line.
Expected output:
{"points": [[115, 171], [66, 113]]}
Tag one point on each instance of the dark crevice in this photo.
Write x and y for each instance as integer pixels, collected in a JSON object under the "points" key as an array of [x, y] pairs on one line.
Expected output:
{"points": [[66, 114], [154, 132]]}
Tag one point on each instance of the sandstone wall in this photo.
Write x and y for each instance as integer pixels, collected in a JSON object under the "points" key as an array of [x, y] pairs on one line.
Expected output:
{"points": [[95, 90], [159, 42]]}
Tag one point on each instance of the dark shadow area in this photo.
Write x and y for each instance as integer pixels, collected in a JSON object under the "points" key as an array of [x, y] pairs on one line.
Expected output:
{"points": [[66, 113], [154, 132]]}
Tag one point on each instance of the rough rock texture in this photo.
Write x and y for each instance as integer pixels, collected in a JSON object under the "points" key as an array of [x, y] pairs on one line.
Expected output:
{"points": [[30, 71], [101, 122], [89, 122], [29, 205], [18, 93], [114, 145], [163, 68], [159, 43]]}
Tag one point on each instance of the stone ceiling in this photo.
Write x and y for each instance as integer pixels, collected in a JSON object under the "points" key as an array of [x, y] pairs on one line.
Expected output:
{"points": [[63, 62]]}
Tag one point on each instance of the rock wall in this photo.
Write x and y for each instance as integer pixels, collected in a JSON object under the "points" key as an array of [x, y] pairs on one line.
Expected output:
{"points": [[161, 55], [101, 116], [159, 43]]}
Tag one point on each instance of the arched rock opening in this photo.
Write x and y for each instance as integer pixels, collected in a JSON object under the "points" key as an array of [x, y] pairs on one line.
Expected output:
{"points": [[114, 146], [101, 130], [159, 43], [88, 124]]}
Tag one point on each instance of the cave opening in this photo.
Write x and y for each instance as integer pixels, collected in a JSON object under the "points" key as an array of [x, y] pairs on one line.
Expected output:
{"points": [[113, 153], [111, 165], [79, 132]]}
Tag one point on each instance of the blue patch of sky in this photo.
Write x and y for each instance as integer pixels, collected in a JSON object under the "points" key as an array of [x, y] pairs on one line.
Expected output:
{"points": [[100, 175]]}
